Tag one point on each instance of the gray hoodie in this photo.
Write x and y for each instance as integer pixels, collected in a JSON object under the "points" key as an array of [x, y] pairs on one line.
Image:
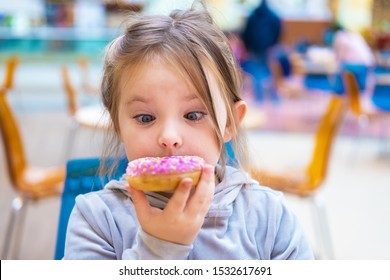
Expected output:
{"points": [[245, 221]]}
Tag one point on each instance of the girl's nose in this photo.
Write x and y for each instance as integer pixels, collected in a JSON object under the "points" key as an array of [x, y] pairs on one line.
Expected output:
{"points": [[170, 137]]}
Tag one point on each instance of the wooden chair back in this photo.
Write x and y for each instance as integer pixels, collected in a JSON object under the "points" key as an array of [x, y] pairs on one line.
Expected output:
{"points": [[324, 139], [10, 68], [353, 93], [12, 141], [70, 90]]}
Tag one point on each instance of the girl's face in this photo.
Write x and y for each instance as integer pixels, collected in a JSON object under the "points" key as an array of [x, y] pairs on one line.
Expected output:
{"points": [[159, 115]]}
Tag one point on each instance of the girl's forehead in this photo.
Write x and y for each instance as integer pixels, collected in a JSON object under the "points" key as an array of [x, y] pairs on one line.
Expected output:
{"points": [[190, 75]]}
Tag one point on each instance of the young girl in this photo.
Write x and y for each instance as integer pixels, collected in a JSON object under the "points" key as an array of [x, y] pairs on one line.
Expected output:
{"points": [[172, 87]]}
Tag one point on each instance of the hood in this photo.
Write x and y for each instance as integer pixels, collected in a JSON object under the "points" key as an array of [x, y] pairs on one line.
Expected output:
{"points": [[225, 192]]}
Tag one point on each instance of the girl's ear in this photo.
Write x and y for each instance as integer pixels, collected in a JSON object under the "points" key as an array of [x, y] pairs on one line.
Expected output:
{"points": [[239, 111]]}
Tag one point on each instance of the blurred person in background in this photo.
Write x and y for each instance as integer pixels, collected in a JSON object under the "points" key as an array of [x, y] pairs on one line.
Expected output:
{"points": [[351, 47], [352, 54], [261, 33]]}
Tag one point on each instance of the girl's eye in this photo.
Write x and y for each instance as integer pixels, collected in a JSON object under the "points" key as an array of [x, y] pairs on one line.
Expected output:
{"points": [[194, 116], [144, 118]]}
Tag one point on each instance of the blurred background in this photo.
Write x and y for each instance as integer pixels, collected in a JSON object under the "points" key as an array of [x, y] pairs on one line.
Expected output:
{"points": [[294, 56]]}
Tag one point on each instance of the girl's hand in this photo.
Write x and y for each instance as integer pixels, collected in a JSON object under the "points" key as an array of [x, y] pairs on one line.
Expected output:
{"points": [[182, 218]]}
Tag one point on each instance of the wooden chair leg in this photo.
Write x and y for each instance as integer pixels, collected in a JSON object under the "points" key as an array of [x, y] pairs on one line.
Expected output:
{"points": [[72, 133], [13, 236], [322, 228]]}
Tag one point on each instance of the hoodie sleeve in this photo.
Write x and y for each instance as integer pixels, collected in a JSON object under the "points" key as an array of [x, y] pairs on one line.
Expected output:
{"points": [[87, 236], [290, 240], [104, 227], [147, 247]]}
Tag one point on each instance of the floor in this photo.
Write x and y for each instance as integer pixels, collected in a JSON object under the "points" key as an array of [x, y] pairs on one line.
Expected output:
{"points": [[356, 191]]}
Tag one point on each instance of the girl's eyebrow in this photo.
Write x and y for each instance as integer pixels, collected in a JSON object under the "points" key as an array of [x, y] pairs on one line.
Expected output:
{"points": [[143, 99], [137, 98], [191, 97]]}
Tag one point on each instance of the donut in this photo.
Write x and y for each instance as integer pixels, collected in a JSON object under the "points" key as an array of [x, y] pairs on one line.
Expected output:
{"points": [[163, 173]]}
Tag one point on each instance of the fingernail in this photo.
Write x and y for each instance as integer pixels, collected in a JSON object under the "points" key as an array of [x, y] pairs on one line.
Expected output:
{"points": [[188, 182], [209, 169]]}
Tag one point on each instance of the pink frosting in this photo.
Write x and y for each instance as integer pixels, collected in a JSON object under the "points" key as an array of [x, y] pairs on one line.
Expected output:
{"points": [[164, 165]]}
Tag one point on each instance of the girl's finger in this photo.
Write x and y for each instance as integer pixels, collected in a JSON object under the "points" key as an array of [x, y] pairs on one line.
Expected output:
{"points": [[140, 203], [200, 201], [178, 201]]}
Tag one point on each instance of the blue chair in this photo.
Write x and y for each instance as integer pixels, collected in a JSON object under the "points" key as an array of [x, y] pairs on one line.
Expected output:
{"points": [[334, 83], [381, 92], [381, 97], [360, 72], [231, 157], [317, 82], [82, 176]]}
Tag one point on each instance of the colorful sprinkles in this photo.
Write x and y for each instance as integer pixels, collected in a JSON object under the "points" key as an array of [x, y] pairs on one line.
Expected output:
{"points": [[164, 165]]}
